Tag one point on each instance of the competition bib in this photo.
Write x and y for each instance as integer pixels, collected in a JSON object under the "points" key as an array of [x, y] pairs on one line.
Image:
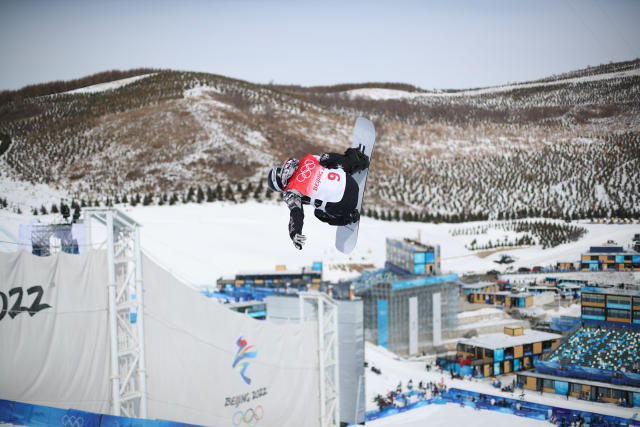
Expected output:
{"points": [[317, 182]]}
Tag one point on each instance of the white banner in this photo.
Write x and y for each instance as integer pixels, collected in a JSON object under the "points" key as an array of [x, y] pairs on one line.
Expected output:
{"points": [[209, 365], [53, 330], [205, 363]]}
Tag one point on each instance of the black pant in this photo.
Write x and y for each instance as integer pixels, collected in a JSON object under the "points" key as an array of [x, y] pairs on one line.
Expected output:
{"points": [[341, 213], [349, 200]]}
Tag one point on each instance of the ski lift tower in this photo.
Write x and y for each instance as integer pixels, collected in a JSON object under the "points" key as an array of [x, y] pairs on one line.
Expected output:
{"points": [[326, 310], [126, 314]]}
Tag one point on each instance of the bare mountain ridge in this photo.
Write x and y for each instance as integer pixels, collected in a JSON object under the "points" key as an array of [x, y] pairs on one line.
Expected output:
{"points": [[563, 146]]}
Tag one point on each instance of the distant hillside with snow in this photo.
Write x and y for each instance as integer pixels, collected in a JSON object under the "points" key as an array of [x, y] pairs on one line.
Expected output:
{"points": [[565, 146]]}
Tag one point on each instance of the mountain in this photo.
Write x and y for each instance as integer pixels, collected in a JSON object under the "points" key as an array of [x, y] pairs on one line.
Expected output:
{"points": [[564, 146]]}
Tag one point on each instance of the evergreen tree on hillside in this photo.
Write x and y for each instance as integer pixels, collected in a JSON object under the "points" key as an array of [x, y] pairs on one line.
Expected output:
{"points": [[228, 193], [199, 195]]}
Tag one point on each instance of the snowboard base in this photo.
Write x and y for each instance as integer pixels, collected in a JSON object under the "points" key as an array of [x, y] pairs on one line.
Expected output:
{"points": [[364, 137]]}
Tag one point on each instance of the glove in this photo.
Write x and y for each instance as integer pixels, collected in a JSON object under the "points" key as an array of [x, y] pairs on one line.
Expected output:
{"points": [[298, 240]]}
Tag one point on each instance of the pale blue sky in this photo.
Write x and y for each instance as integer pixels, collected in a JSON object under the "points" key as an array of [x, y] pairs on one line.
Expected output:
{"points": [[430, 44]]}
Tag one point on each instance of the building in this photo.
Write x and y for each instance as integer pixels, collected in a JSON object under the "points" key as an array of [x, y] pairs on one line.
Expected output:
{"points": [[281, 277], [480, 287], [406, 315], [579, 388], [610, 305], [412, 257], [255, 309], [503, 298], [610, 257], [501, 353], [596, 362]]}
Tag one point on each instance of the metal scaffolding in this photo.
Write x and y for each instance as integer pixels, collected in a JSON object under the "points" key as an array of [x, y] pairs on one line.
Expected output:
{"points": [[325, 310], [126, 314]]}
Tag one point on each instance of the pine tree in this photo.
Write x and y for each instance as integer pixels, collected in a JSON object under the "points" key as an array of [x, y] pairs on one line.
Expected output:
{"points": [[210, 194], [228, 193], [199, 195], [258, 192], [43, 210], [54, 208]]}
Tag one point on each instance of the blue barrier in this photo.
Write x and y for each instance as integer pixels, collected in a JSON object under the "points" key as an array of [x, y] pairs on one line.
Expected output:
{"points": [[37, 415], [505, 405]]}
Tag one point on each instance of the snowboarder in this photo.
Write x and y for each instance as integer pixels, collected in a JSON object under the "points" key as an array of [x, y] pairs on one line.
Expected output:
{"points": [[325, 182]]}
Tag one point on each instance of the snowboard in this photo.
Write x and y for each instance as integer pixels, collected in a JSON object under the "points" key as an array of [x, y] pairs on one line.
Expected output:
{"points": [[364, 137]]}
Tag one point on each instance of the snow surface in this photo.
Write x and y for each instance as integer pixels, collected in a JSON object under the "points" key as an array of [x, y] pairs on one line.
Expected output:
{"points": [[395, 369], [116, 84], [209, 241], [203, 242], [385, 94], [453, 415]]}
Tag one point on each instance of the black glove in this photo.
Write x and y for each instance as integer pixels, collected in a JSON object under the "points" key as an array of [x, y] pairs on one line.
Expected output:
{"points": [[356, 160], [298, 240]]}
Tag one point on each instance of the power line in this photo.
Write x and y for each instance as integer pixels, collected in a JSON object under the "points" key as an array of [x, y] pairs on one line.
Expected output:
{"points": [[573, 10], [615, 28]]}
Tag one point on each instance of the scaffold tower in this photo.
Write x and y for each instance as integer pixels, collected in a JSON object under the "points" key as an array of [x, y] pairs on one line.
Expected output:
{"points": [[126, 314], [325, 310]]}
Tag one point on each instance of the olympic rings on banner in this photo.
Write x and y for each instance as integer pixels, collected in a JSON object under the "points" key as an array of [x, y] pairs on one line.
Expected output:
{"points": [[305, 170], [72, 421], [248, 418]]}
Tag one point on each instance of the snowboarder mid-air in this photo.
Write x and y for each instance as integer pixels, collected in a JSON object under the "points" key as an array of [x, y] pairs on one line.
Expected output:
{"points": [[325, 182]]}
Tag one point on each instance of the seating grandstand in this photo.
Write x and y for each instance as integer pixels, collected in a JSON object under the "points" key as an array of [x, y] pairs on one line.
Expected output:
{"points": [[602, 348]]}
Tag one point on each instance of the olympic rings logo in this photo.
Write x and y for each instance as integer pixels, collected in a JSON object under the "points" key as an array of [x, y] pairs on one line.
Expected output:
{"points": [[72, 421], [305, 170], [248, 418]]}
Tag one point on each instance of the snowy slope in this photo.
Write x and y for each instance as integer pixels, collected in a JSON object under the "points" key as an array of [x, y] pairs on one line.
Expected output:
{"points": [[385, 94], [452, 415], [208, 241], [395, 370], [116, 84], [203, 242]]}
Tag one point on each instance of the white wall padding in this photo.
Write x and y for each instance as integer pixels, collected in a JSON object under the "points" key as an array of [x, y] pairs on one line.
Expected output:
{"points": [[54, 341], [191, 346]]}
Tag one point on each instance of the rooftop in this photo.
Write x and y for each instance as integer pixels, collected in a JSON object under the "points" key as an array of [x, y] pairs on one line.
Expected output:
{"points": [[371, 278], [501, 340], [611, 291], [611, 249], [478, 285], [410, 244], [578, 380]]}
